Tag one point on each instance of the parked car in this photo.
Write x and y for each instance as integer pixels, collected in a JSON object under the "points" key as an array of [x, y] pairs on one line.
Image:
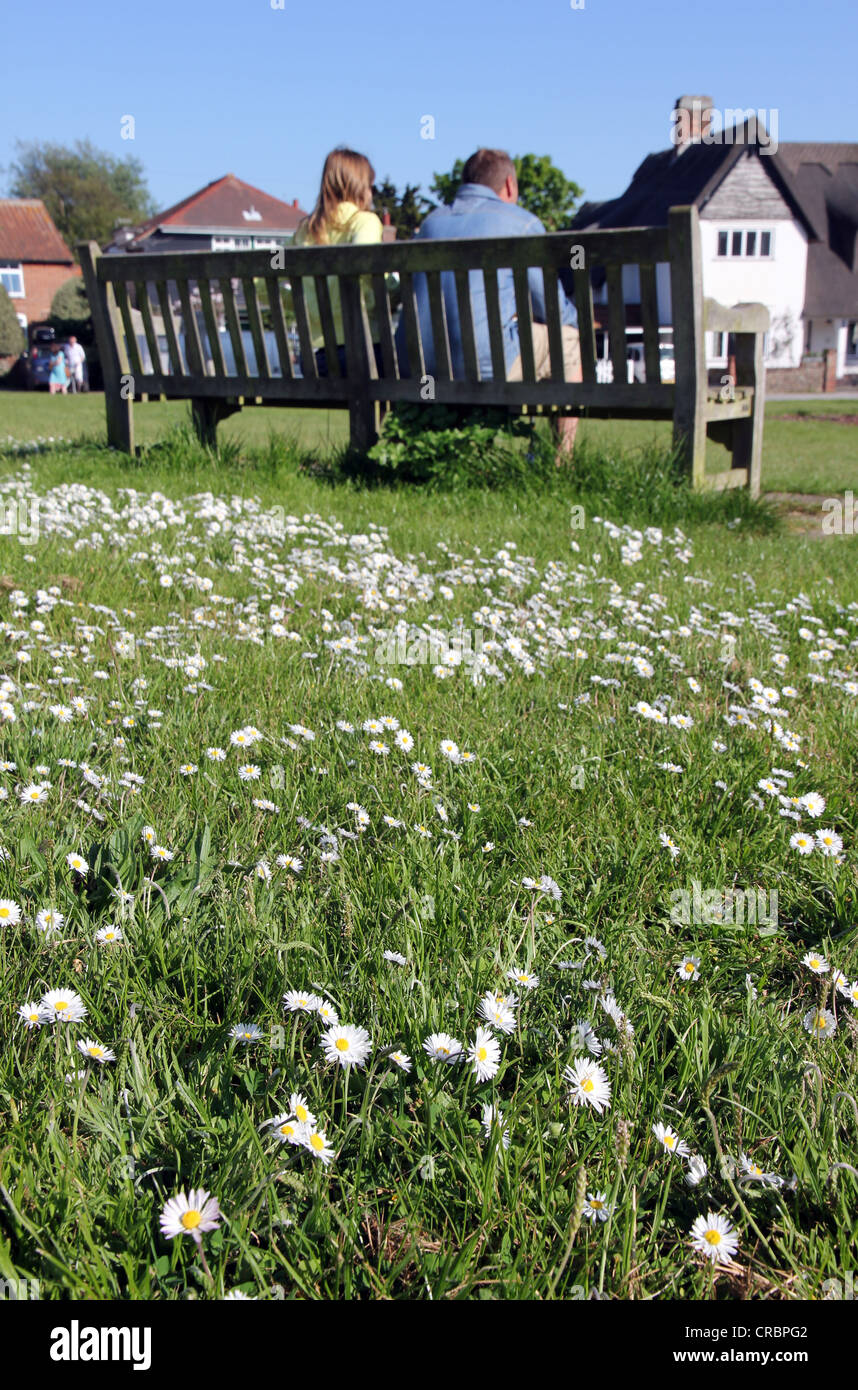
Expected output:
{"points": [[637, 367], [43, 345]]}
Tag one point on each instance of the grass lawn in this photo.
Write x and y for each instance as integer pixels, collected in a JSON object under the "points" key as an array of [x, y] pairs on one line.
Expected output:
{"points": [[285, 760], [809, 455]]}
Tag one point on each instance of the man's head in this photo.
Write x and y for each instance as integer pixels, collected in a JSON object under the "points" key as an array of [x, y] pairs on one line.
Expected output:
{"points": [[72, 340], [495, 170]]}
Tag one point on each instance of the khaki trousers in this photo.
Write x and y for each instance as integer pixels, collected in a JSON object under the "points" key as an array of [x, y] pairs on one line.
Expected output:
{"points": [[542, 356]]}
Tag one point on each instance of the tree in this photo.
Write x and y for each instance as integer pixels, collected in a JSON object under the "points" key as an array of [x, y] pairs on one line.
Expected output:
{"points": [[86, 191], [406, 212], [543, 189], [70, 311], [11, 333]]}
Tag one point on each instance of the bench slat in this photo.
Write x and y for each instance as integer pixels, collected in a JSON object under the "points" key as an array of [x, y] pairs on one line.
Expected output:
{"points": [[617, 321], [121, 289], [193, 343], [551, 289], [586, 330], [299, 303], [440, 340], [466, 323], [205, 288], [649, 320], [149, 327], [174, 347], [495, 326], [329, 332], [416, 360], [278, 323], [233, 325], [254, 318], [525, 323], [385, 326]]}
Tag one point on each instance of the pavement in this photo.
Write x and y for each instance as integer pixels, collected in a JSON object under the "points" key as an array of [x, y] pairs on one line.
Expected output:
{"points": [[820, 396]]}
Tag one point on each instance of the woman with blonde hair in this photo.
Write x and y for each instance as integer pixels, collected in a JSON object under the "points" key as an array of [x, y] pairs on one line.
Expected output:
{"points": [[342, 216]]}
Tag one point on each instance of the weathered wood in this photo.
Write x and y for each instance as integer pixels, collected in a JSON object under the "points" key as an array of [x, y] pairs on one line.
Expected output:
{"points": [[121, 291], [278, 323], [230, 313], [173, 347], [212, 331], [108, 335], [466, 324], [649, 321], [686, 279], [617, 322], [329, 332], [525, 322], [551, 291], [413, 343], [495, 326], [254, 319], [193, 343], [438, 317], [206, 415], [623, 247], [735, 318], [748, 434], [586, 327], [144, 309], [205, 383], [302, 323], [385, 326]]}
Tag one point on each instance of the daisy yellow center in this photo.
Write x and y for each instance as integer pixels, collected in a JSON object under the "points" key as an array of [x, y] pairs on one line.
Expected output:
{"points": [[190, 1220], [820, 1020], [4, 912], [287, 1129], [713, 1237], [94, 1051], [109, 935], [814, 963], [342, 1044], [34, 1018], [301, 1112], [60, 1005], [317, 1141], [596, 1204], [587, 1085], [690, 968], [481, 1054], [669, 1141]]}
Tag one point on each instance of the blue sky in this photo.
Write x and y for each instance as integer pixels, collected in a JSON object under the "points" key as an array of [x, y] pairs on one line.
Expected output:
{"points": [[218, 86]]}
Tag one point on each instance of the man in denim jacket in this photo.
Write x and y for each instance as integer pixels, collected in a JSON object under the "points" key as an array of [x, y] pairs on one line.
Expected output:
{"points": [[486, 206]]}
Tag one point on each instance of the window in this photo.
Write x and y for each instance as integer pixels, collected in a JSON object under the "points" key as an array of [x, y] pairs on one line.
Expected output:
{"points": [[231, 243], [12, 279], [753, 243], [718, 343], [852, 341]]}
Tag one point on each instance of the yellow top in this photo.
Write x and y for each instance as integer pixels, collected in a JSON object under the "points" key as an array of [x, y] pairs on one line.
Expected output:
{"points": [[353, 227]]}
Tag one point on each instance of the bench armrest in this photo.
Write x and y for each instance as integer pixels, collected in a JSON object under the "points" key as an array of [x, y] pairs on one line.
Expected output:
{"points": [[735, 318]]}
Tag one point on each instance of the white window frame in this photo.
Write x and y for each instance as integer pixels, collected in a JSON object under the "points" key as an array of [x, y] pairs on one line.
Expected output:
{"points": [[232, 243], [14, 267], [758, 233]]}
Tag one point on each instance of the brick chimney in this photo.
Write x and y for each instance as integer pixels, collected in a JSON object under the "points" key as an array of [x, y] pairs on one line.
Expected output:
{"points": [[692, 117], [294, 202]]}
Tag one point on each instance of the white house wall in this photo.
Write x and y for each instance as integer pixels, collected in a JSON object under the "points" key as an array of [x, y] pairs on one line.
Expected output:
{"points": [[777, 281]]}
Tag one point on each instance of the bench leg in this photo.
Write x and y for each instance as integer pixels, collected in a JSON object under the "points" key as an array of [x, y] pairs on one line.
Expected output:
{"points": [[748, 434], [206, 415], [363, 425], [689, 435], [120, 421]]}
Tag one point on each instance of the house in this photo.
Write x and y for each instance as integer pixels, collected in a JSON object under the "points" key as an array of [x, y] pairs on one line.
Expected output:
{"points": [[778, 225], [34, 259], [226, 215]]}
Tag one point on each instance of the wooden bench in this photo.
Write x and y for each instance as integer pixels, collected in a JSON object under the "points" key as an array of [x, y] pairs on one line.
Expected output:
{"points": [[137, 299]]}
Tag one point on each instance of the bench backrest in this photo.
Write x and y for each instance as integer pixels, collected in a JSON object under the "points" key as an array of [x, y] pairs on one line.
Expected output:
{"points": [[142, 336]]}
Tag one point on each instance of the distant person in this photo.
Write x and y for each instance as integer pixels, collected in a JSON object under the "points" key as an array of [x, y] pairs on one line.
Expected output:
{"points": [[486, 206], [59, 376], [76, 358], [342, 216]]}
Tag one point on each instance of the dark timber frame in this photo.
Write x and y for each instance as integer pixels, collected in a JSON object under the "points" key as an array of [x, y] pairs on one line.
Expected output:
{"points": [[124, 290]]}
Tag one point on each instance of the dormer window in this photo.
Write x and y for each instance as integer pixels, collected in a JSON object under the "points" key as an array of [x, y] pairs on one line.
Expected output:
{"points": [[251, 214]]}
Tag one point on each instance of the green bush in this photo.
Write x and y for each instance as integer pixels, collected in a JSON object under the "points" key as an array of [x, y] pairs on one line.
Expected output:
{"points": [[451, 448], [11, 333], [70, 311]]}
